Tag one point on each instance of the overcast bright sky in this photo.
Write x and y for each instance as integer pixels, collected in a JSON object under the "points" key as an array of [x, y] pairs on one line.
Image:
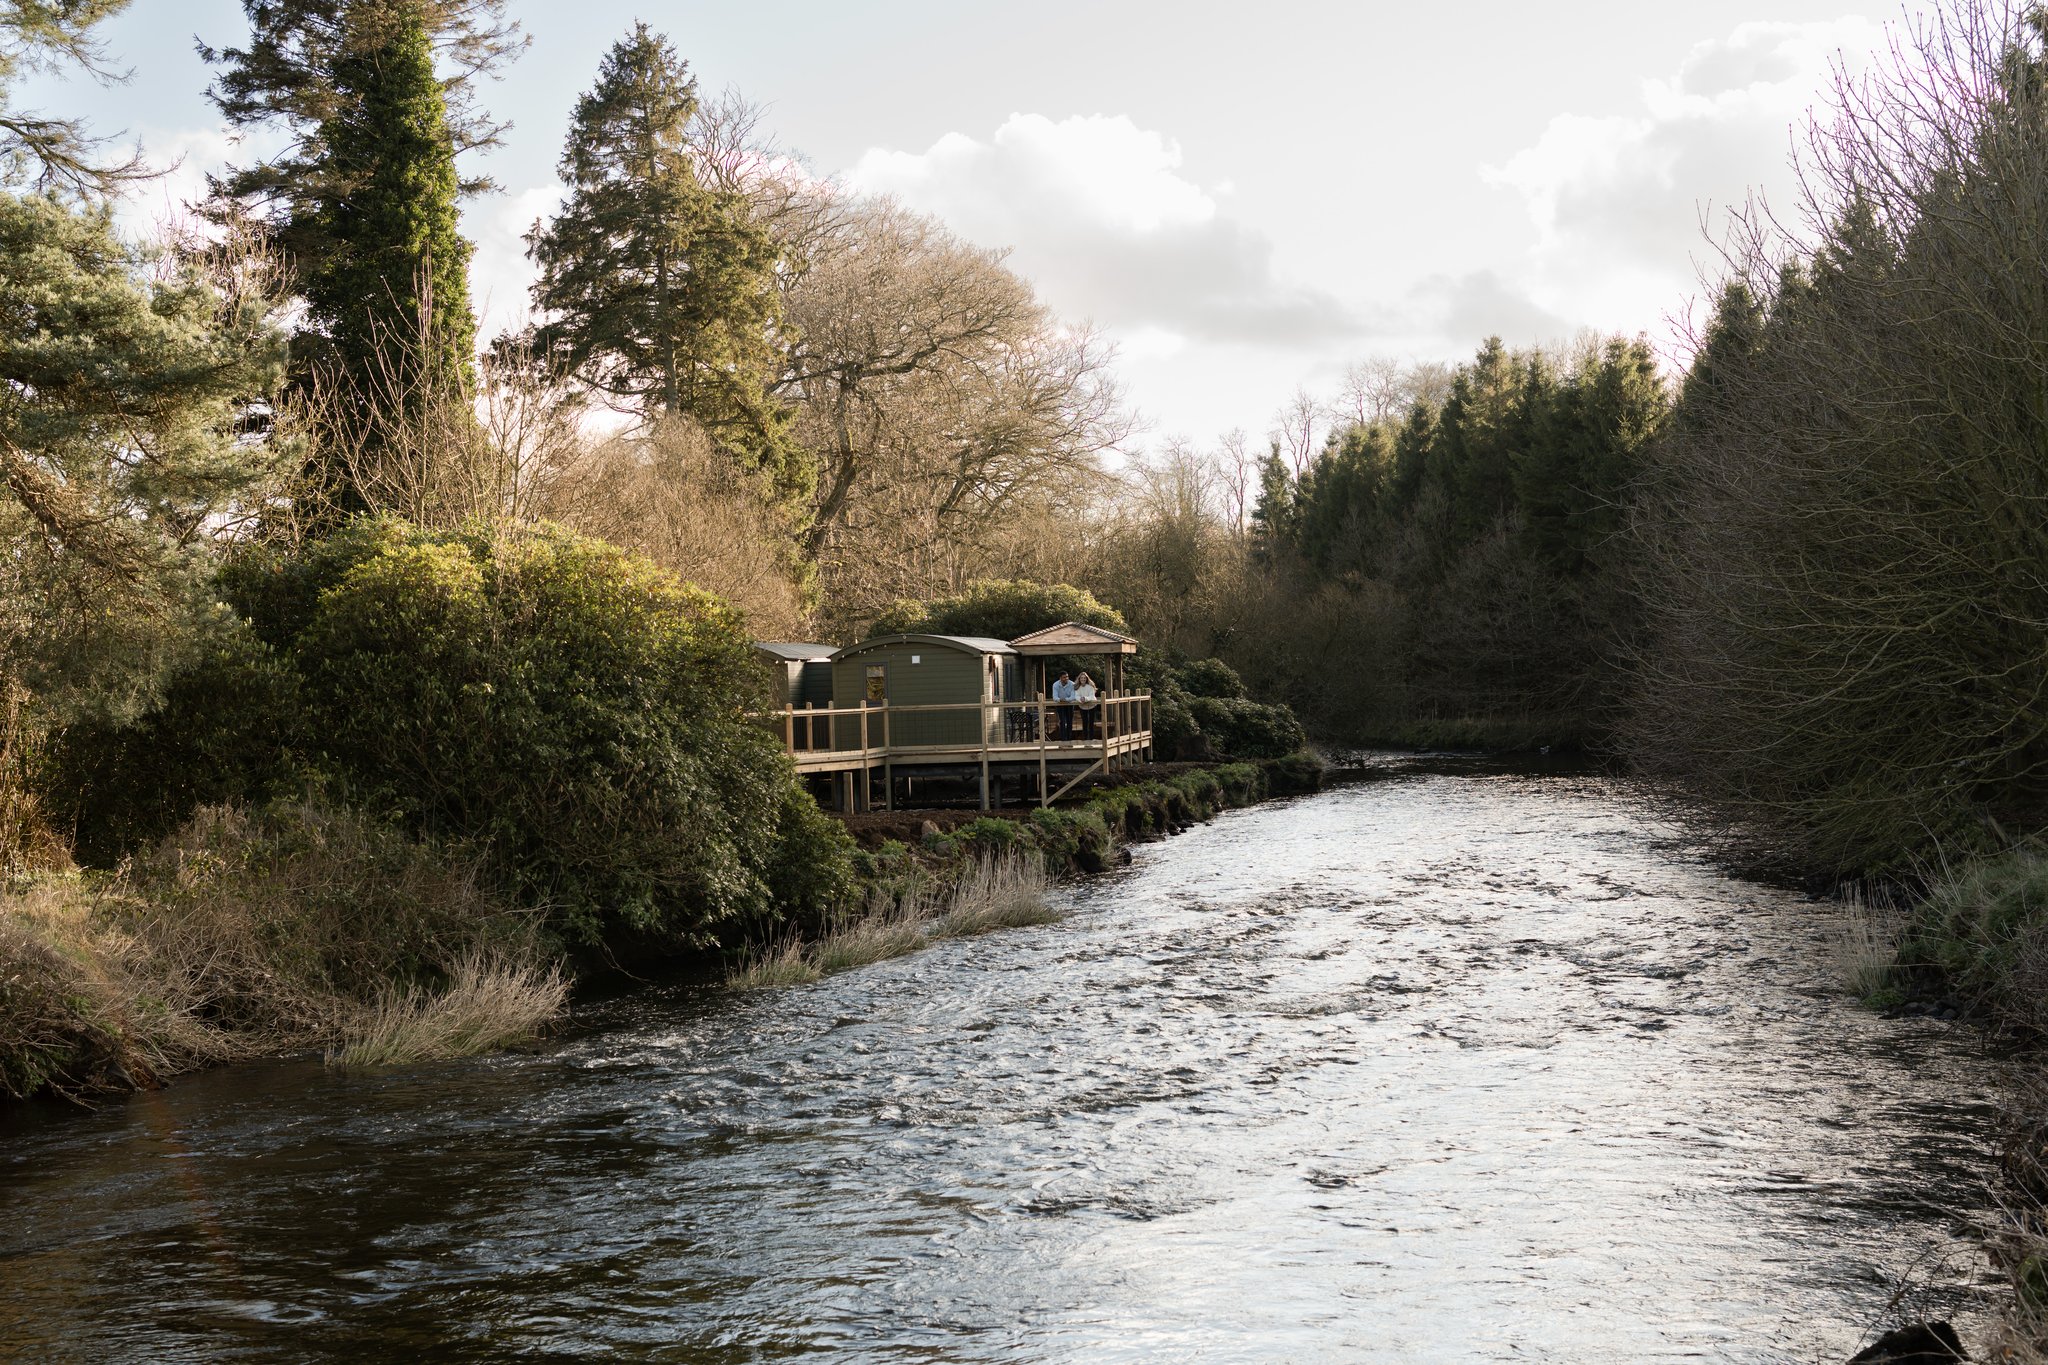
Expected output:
{"points": [[1245, 197]]}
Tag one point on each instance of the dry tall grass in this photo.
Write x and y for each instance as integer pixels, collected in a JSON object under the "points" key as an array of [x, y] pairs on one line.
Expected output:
{"points": [[488, 1002], [252, 933], [81, 1006], [1864, 941], [1002, 892], [996, 893]]}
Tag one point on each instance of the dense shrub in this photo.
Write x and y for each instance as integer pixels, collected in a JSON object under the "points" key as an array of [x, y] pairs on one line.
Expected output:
{"points": [[1248, 729], [228, 728], [1000, 609], [1211, 678], [570, 707]]}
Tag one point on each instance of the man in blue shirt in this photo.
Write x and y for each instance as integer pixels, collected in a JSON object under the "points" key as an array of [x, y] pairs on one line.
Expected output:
{"points": [[1063, 693]]}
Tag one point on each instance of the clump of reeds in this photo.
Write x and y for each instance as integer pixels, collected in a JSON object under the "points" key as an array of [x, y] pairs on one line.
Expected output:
{"points": [[488, 1002], [787, 963], [1864, 941], [997, 892]]}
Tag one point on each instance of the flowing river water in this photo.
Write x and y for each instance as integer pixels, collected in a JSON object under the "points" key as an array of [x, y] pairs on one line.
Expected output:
{"points": [[1458, 1063]]}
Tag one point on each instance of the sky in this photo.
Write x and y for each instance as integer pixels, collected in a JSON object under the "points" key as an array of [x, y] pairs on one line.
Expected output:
{"points": [[1246, 199]]}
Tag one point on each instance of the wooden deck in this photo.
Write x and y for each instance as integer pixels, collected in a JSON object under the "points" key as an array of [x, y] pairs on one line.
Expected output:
{"points": [[854, 744]]}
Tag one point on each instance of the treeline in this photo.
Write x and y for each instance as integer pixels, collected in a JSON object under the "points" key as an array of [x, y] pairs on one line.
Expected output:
{"points": [[1801, 583], [1480, 540]]}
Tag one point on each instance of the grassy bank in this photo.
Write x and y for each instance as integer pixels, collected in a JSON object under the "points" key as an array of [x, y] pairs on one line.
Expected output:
{"points": [[1000, 891], [1972, 943], [991, 871], [293, 927]]}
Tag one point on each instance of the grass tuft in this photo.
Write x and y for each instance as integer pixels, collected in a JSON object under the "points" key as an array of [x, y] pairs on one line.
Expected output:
{"points": [[997, 893], [488, 1002], [1865, 942], [1000, 891]]}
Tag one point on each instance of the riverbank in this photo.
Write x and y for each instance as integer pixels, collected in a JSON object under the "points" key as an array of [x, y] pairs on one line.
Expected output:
{"points": [[943, 873], [298, 928], [1970, 945]]}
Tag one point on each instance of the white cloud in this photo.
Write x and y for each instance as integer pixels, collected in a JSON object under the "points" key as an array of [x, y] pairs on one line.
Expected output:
{"points": [[1100, 216], [1619, 201], [499, 273]]}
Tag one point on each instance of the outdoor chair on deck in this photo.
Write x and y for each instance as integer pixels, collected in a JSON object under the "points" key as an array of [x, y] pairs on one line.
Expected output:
{"points": [[1020, 725]]}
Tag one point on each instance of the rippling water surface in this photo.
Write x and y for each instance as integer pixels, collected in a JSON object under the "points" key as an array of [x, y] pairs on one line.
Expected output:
{"points": [[1455, 1064]]}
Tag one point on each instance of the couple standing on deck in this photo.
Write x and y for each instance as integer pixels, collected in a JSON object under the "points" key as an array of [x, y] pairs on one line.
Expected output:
{"points": [[1074, 694]]}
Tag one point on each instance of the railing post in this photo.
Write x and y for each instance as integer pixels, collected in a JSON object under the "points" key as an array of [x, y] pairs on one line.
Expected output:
{"points": [[984, 709], [1042, 788]]}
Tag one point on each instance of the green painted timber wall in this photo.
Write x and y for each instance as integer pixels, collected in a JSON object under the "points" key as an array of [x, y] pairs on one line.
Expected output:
{"points": [[942, 675]]}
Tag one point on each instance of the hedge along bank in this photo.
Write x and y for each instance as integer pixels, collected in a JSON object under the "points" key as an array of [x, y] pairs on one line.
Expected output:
{"points": [[1082, 837]]}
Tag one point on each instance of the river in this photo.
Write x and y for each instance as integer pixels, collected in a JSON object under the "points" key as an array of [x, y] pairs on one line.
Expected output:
{"points": [[1457, 1063]]}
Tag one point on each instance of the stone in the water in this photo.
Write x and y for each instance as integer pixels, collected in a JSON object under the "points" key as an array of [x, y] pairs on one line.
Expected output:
{"points": [[1924, 1343]]}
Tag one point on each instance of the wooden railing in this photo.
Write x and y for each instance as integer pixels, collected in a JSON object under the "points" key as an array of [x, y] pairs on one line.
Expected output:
{"points": [[844, 740], [1031, 725]]}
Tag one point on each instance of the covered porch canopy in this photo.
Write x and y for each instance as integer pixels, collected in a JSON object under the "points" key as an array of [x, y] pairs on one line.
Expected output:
{"points": [[1070, 638]]}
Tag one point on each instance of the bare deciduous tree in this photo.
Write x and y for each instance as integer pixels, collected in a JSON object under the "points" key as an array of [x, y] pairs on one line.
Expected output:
{"points": [[937, 397]]}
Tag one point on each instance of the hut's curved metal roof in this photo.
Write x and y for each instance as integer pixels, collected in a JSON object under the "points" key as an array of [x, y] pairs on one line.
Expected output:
{"points": [[968, 644]]}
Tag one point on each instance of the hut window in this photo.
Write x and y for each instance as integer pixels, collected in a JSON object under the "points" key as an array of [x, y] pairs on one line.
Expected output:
{"points": [[917, 658]]}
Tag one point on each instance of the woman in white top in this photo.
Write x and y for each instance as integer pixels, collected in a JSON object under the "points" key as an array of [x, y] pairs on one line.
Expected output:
{"points": [[1084, 693]]}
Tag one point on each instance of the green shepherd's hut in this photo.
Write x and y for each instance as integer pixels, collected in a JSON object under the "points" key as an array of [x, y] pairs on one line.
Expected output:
{"points": [[926, 670]]}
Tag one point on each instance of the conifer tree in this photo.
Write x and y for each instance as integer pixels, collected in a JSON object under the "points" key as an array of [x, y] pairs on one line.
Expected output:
{"points": [[1273, 515], [363, 201], [56, 155], [398, 271], [657, 290]]}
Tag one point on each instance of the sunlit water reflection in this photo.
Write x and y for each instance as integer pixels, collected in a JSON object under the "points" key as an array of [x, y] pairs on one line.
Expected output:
{"points": [[1455, 1064]]}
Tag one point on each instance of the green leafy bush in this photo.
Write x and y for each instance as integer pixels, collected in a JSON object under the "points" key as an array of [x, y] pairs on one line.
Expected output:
{"points": [[1248, 729], [1000, 609], [1212, 678], [228, 728], [576, 710]]}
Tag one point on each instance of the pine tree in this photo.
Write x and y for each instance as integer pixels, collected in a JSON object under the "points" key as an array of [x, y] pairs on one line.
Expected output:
{"points": [[1273, 515], [393, 294], [362, 202], [128, 377], [658, 290], [55, 155]]}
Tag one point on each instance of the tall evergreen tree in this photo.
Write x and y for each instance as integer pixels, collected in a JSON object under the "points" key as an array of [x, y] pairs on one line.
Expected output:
{"points": [[362, 202], [1273, 514], [658, 291], [398, 276]]}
